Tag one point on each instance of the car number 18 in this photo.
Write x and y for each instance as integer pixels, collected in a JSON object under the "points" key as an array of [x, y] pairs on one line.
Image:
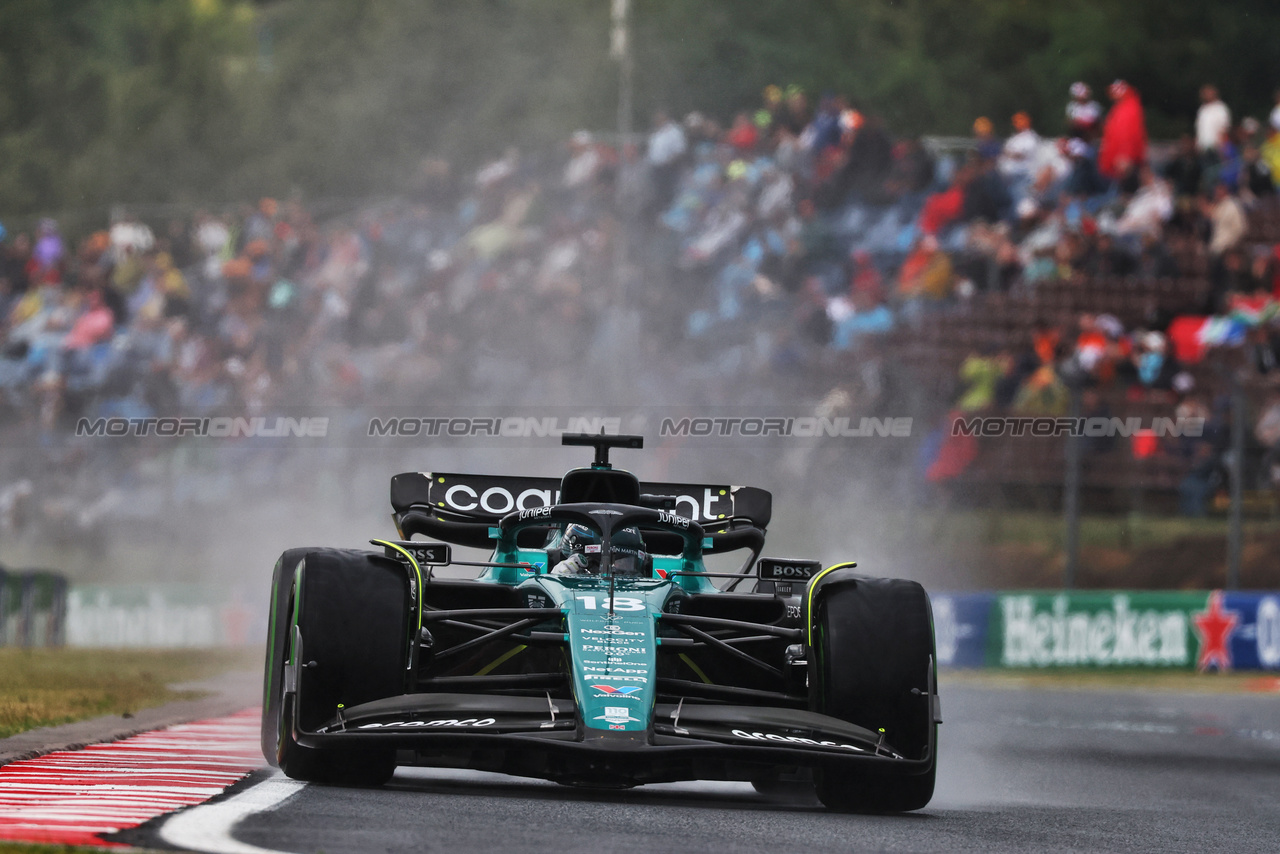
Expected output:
{"points": [[620, 603]]}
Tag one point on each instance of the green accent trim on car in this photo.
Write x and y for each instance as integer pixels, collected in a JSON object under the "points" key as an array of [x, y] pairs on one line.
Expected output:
{"points": [[417, 571], [706, 680], [500, 660], [271, 637], [812, 586], [295, 613]]}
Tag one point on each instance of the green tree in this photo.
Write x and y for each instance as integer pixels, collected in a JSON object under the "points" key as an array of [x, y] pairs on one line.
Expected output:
{"points": [[210, 101]]}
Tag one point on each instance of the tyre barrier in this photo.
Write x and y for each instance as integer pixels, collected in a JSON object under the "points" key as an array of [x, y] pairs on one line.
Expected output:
{"points": [[33, 608], [1199, 630]]}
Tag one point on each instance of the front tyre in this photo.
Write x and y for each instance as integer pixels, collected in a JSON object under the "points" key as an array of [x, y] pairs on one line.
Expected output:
{"points": [[874, 656], [349, 611], [278, 629]]}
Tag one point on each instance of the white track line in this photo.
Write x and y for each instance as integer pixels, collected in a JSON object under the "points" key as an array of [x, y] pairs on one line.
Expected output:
{"points": [[207, 828]]}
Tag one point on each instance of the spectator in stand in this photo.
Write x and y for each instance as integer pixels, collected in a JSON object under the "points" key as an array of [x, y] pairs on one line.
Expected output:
{"points": [[912, 172], [1020, 365], [868, 161], [1094, 405], [634, 188], [1204, 452], [824, 131], [1044, 342], [769, 117], [1092, 347], [1083, 180], [1256, 178], [1124, 137], [585, 160], [14, 258], [1185, 173], [942, 209], [855, 317], [667, 146], [94, 325], [699, 129], [1230, 164], [1151, 366], [743, 135], [1264, 349], [213, 239], [1084, 115], [1267, 432], [1147, 212], [1043, 393], [865, 279], [984, 138], [1018, 156], [1156, 261], [986, 197], [1247, 132], [795, 114], [1213, 119], [1269, 152], [129, 238], [1104, 258], [981, 373], [1228, 276], [49, 252], [1227, 221], [926, 273]]}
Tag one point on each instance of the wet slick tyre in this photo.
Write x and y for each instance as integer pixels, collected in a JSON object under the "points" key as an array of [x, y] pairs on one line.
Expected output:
{"points": [[350, 610], [874, 654], [278, 630]]}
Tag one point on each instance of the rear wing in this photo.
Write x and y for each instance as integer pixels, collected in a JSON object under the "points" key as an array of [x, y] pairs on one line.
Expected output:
{"points": [[462, 507], [490, 497]]}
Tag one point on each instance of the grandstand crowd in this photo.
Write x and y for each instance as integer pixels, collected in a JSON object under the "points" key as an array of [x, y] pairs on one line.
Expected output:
{"points": [[801, 236]]}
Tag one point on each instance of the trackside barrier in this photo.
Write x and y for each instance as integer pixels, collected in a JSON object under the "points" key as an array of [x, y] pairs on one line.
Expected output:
{"points": [[1205, 630], [33, 608], [162, 616]]}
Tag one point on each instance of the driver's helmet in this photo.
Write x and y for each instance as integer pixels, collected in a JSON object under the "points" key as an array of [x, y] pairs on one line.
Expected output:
{"points": [[627, 556]]}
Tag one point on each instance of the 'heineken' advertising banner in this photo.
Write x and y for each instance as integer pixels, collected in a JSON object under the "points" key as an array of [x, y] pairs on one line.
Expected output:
{"points": [[159, 616], [1165, 629]]}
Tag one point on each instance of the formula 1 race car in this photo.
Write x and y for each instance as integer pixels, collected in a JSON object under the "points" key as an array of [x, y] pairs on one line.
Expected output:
{"points": [[596, 649]]}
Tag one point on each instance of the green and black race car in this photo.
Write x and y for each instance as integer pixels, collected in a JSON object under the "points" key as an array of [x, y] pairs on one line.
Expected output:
{"points": [[595, 648]]}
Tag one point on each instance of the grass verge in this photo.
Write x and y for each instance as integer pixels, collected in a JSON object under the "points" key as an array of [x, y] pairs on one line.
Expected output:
{"points": [[46, 687]]}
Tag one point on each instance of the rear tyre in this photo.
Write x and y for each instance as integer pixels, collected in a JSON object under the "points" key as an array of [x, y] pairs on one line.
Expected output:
{"points": [[874, 654], [351, 610]]}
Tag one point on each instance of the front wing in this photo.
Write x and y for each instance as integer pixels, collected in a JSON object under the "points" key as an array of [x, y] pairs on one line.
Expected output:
{"points": [[543, 737]]}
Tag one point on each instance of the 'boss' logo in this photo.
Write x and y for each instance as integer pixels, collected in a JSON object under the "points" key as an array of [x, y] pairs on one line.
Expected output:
{"points": [[787, 570]]}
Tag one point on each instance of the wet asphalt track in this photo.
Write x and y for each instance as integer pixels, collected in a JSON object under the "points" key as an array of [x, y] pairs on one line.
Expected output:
{"points": [[1020, 771]]}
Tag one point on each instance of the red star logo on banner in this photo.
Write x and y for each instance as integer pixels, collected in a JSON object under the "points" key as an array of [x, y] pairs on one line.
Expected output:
{"points": [[1214, 626]]}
